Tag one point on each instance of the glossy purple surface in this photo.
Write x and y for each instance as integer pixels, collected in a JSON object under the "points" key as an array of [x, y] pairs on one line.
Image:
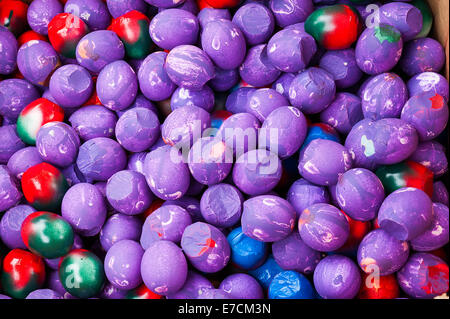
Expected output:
{"points": [[267, 218]]}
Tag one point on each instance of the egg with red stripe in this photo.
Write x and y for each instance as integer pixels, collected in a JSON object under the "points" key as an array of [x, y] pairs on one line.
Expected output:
{"points": [[44, 187], [47, 235], [334, 27], [23, 272], [35, 115]]}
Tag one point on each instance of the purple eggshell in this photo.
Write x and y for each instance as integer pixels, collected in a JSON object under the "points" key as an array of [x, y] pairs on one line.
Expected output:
{"points": [[99, 158], [190, 204], [174, 27], [44, 293], [73, 175], [283, 83], [93, 121], [83, 207], [312, 90], [440, 193], [159, 143], [123, 264], [221, 205], [166, 172], [22, 160], [8, 54], [137, 129], [428, 113], [337, 277], [438, 234], [267, 218], [432, 155], [206, 247], [303, 194], [323, 227], [292, 253], [287, 12], [112, 292], [424, 276], [240, 132], [154, 82], [242, 286], [422, 55], [193, 287], [427, 82], [263, 101], [189, 67], [10, 226], [128, 192], [99, 48], [214, 294], [136, 162], [224, 79], [185, 125], [165, 3], [58, 143], [224, 43], [119, 227], [41, 12], [10, 193], [257, 70], [237, 101], [406, 213], [360, 194], [93, 12], [190, 5], [405, 17], [284, 121], [203, 98], [117, 85], [386, 141], [36, 61], [164, 268], [383, 96], [342, 65], [360, 144], [291, 50], [54, 283], [207, 15], [9, 142], [7, 121], [382, 253], [140, 101], [395, 140], [15, 95], [378, 49], [210, 160], [195, 188], [257, 172], [119, 7], [166, 223], [256, 22], [49, 97], [315, 167], [71, 85], [343, 113]]}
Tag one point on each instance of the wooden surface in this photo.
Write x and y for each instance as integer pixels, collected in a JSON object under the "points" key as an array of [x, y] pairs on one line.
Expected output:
{"points": [[440, 26]]}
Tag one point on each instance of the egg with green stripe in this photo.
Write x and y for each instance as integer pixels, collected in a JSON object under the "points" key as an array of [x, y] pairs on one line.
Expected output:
{"points": [[81, 273], [47, 235], [334, 27], [35, 115]]}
